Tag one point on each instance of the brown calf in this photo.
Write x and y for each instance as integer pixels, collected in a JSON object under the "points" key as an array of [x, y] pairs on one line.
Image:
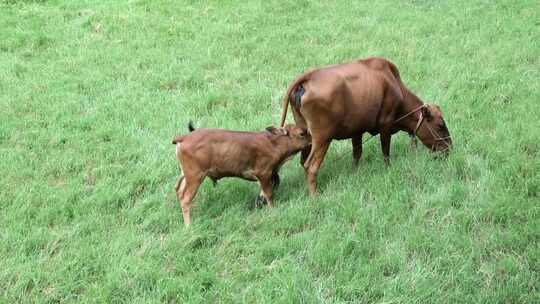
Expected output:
{"points": [[216, 153]]}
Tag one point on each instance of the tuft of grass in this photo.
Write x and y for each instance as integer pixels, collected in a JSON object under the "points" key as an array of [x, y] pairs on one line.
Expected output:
{"points": [[91, 92]]}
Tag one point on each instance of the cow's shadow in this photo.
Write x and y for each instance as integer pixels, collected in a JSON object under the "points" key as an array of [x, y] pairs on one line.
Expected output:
{"points": [[338, 165]]}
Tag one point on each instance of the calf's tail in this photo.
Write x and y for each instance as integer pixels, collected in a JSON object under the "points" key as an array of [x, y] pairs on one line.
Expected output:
{"points": [[190, 126], [179, 138]]}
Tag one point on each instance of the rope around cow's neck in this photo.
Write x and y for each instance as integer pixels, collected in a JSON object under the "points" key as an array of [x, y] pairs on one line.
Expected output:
{"points": [[434, 133], [411, 112]]}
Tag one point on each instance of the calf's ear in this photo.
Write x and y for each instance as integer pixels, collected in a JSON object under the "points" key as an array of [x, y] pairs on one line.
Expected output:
{"points": [[271, 129], [277, 131]]}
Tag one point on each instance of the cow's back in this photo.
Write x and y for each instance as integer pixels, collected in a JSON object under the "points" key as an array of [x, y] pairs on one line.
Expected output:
{"points": [[350, 95]]}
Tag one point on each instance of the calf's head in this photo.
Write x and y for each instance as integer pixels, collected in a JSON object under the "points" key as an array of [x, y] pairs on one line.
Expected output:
{"points": [[292, 138], [433, 131]]}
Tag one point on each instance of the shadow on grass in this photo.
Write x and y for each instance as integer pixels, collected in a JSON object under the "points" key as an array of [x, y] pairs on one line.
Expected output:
{"points": [[238, 196]]}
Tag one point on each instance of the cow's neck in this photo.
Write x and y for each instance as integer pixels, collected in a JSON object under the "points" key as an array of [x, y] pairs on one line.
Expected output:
{"points": [[410, 103]]}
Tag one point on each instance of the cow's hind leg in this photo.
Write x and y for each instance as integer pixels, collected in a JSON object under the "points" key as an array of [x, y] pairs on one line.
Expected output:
{"points": [[314, 161], [357, 149], [300, 122], [304, 154]]}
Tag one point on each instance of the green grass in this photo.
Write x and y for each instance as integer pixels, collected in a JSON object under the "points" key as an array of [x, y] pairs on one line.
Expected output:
{"points": [[91, 93]]}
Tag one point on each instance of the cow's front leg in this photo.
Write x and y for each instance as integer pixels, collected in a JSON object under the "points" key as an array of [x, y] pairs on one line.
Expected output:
{"points": [[313, 163], [357, 149], [385, 145]]}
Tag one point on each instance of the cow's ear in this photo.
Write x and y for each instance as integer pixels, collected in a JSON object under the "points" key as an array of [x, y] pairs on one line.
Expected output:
{"points": [[426, 112]]}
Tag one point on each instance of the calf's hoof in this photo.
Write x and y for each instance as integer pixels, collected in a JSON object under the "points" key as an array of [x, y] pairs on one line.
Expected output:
{"points": [[260, 201]]}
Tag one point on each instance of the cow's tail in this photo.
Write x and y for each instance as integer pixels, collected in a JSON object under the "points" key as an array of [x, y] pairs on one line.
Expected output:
{"points": [[298, 81], [178, 139], [395, 72]]}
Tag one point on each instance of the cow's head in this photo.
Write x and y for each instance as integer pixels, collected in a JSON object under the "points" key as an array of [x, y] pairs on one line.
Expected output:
{"points": [[432, 130]]}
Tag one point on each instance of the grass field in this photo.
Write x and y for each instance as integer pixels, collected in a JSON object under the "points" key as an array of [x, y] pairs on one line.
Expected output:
{"points": [[92, 92]]}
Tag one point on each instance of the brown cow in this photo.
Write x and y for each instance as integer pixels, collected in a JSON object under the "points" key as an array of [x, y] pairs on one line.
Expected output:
{"points": [[216, 153], [344, 101]]}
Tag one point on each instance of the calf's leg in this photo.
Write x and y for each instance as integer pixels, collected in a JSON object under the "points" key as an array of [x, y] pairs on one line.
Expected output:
{"points": [[186, 191], [180, 187], [274, 181], [266, 189]]}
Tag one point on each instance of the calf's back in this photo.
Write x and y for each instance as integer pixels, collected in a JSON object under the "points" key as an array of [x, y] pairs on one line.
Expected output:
{"points": [[221, 153]]}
